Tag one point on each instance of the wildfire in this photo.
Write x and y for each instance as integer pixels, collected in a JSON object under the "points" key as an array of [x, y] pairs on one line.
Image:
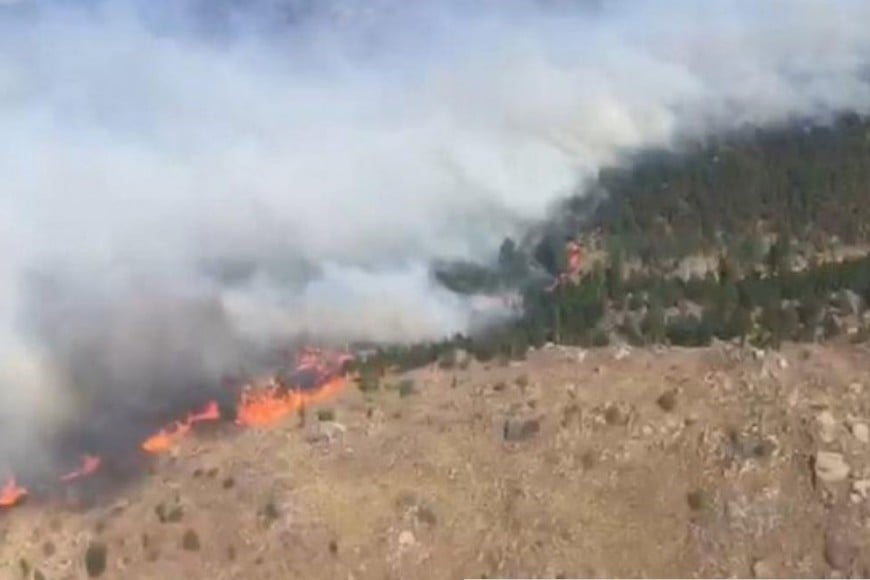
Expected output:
{"points": [[167, 438], [575, 263], [264, 406], [90, 463], [271, 401], [261, 403], [12, 494]]}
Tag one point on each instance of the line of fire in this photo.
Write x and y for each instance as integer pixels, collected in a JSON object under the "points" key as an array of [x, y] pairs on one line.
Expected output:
{"points": [[318, 375]]}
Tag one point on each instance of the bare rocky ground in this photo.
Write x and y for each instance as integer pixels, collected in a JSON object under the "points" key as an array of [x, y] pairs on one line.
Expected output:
{"points": [[714, 462]]}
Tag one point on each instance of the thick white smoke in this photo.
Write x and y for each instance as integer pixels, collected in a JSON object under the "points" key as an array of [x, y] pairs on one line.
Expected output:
{"points": [[300, 175]]}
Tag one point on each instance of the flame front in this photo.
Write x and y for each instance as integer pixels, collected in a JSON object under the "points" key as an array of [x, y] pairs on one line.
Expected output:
{"points": [[165, 439], [90, 463], [12, 494], [261, 407], [261, 403]]}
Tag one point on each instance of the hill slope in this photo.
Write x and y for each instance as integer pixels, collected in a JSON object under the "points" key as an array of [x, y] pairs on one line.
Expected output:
{"points": [[603, 462]]}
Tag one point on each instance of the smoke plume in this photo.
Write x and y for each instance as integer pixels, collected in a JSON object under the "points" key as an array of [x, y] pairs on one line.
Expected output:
{"points": [[182, 183]]}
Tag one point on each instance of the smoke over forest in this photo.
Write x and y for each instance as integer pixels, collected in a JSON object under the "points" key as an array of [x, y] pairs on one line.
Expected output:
{"points": [[185, 183]]}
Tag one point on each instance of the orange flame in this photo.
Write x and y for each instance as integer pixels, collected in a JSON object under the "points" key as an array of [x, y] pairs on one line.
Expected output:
{"points": [[269, 405], [575, 264], [265, 405], [90, 463], [12, 494], [167, 438], [259, 405]]}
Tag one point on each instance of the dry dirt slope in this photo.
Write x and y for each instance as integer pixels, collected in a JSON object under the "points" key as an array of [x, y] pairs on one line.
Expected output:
{"points": [[657, 463]]}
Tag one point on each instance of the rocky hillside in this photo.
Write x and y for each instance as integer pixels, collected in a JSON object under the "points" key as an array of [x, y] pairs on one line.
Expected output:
{"points": [[717, 461]]}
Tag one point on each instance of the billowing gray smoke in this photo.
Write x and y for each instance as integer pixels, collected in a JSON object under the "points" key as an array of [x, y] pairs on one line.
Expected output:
{"points": [[181, 182]]}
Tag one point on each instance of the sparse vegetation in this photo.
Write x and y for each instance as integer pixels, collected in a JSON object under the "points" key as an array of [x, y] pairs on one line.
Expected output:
{"points": [[325, 415], [667, 401], [190, 541], [406, 388], [698, 500], [270, 512], [96, 559]]}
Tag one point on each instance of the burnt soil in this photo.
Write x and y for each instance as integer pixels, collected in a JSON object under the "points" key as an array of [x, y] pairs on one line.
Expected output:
{"points": [[571, 463]]}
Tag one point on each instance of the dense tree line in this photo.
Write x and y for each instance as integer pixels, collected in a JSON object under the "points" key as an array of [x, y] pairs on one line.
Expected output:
{"points": [[725, 197], [807, 181]]}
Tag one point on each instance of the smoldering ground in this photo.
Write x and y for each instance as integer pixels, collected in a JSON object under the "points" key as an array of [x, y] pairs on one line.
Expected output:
{"points": [[183, 184]]}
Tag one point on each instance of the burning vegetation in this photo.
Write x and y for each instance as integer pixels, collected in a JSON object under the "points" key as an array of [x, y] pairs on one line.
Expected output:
{"points": [[317, 375]]}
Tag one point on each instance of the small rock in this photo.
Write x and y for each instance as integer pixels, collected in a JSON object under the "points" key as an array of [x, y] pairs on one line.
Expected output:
{"points": [[831, 467], [407, 539], [840, 554], [856, 388], [763, 569], [827, 426], [520, 430], [861, 432], [621, 352], [783, 364], [861, 487]]}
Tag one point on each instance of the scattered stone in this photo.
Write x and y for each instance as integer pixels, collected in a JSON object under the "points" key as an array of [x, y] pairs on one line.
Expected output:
{"points": [[827, 426], [621, 352], [499, 386], [95, 559], [522, 381], [38, 575], [333, 547], [228, 483], [212, 473], [48, 549], [840, 553], [861, 487], [520, 429], [407, 539], [667, 402], [764, 569], [190, 541], [325, 432], [172, 516], [830, 467], [861, 432]]}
